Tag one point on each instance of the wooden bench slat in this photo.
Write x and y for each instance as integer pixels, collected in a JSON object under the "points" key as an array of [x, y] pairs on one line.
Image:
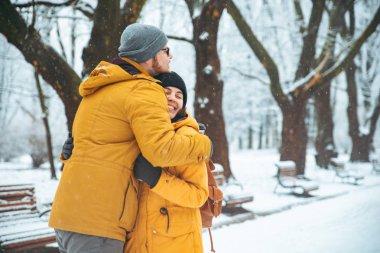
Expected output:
{"points": [[14, 207], [16, 194], [21, 227], [25, 220], [17, 214], [25, 231], [21, 245], [17, 187]]}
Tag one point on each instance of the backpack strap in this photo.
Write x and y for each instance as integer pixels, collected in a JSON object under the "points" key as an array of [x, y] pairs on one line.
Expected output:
{"points": [[211, 242]]}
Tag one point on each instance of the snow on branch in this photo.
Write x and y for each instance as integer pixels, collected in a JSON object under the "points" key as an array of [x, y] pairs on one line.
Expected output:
{"points": [[249, 76], [310, 80]]}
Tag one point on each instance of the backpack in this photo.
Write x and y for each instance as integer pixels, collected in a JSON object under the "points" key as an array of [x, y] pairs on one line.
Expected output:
{"points": [[213, 205]]}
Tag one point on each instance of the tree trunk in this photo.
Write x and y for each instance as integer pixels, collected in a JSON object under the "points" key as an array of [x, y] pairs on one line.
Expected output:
{"points": [[261, 136], [294, 134], [109, 22], [45, 120], [250, 137], [324, 143], [209, 87], [361, 143], [103, 44]]}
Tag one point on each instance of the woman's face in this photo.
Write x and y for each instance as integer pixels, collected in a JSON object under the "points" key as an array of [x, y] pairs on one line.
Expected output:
{"points": [[175, 100]]}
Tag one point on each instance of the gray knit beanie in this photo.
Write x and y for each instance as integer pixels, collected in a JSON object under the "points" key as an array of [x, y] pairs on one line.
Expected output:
{"points": [[141, 42]]}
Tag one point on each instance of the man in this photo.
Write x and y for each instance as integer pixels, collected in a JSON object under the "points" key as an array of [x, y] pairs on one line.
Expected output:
{"points": [[123, 112]]}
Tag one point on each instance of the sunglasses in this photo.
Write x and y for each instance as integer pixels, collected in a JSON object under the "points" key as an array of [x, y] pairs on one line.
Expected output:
{"points": [[166, 50]]}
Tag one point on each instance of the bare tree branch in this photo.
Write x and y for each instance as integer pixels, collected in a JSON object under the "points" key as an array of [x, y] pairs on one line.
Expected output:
{"points": [[49, 63], [249, 76], [180, 38], [87, 13], [45, 3], [342, 65], [60, 40], [308, 50], [300, 17], [260, 52]]}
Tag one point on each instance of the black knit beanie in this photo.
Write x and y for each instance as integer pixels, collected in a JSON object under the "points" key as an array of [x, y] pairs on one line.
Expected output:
{"points": [[172, 79]]}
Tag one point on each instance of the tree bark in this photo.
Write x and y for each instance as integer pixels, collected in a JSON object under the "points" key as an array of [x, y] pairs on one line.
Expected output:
{"points": [[294, 134], [361, 143], [209, 87], [109, 22], [324, 143], [105, 34]]}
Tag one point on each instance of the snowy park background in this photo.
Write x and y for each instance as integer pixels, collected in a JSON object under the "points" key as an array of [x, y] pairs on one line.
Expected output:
{"points": [[338, 217]]}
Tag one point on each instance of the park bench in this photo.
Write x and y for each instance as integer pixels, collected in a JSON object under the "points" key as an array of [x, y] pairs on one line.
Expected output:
{"points": [[21, 227], [287, 178], [346, 176], [375, 166], [233, 192]]}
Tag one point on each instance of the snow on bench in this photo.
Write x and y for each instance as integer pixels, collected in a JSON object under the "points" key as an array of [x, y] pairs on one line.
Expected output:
{"points": [[233, 192], [21, 228], [287, 178], [347, 176]]}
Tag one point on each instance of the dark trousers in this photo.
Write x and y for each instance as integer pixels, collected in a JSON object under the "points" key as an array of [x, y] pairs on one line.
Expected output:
{"points": [[70, 242]]}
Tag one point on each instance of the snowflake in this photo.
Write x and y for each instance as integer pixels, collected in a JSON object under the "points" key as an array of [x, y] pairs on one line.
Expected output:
{"points": [[203, 102], [203, 36], [208, 69]]}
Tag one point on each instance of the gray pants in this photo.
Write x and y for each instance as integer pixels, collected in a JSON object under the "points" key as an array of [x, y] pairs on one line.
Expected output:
{"points": [[70, 242]]}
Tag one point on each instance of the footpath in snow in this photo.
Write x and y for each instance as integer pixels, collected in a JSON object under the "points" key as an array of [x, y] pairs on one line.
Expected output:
{"points": [[256, 171]]}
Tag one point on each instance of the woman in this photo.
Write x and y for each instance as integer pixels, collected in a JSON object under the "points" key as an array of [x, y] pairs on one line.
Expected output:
{"points": [[168, 218]]}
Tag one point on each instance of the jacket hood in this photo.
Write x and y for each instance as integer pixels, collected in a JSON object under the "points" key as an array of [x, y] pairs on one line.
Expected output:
{"points": [[107, 73], [188, 121]]}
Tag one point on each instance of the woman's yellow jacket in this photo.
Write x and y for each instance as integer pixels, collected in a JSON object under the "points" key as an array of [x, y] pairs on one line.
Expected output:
{"points": [[119, 116], [168, 219]]}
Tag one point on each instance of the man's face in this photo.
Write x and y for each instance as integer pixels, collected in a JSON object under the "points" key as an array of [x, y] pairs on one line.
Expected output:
{"points": [[161, 61]]}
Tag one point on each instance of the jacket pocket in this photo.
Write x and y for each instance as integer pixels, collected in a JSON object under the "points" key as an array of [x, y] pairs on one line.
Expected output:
{"points": [[128, 217], [173, 230], [161, 243]]}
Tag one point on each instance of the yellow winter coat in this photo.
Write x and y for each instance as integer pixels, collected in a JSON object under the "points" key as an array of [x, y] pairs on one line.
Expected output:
{"points": [[169, 219], [119, 113]]}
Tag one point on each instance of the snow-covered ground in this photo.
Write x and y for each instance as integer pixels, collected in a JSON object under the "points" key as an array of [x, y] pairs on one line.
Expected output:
{"points": [[349, 223], [338, 217]]}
